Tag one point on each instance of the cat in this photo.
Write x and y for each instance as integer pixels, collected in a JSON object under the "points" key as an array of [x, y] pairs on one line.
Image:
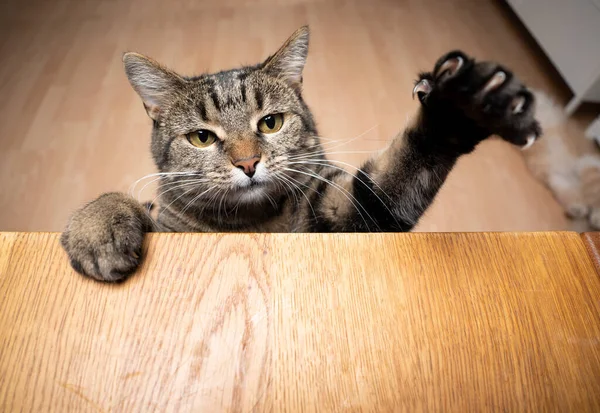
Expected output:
{"points": [[239, 151], [573, 178]]}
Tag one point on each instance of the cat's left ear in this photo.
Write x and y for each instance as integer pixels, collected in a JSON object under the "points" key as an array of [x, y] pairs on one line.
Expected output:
{"points": [[288, 62]]}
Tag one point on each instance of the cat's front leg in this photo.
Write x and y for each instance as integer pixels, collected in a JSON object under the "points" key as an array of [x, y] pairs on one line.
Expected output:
{"points": [[462, 103], [104, 238]]}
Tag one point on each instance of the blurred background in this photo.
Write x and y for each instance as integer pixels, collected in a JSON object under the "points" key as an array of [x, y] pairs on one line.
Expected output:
{"points": [[71, 127]]}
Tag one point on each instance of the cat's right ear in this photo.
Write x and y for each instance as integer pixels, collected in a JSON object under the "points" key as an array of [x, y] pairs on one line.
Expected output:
{"points": [[154, 83], [288, 62]]}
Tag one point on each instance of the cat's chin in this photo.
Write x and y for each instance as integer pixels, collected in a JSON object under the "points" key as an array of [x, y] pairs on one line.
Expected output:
{"points": [[254, 193]]}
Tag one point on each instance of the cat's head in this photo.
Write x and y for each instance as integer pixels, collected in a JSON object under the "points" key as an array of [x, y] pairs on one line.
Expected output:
{"points": [[235, 132]]}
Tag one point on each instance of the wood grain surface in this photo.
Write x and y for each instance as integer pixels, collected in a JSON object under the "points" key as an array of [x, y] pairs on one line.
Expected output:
{"points": [[591, 240], [305, 323]]}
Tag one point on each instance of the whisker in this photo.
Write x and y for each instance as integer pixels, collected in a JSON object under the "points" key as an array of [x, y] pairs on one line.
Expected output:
{"points": [[159, 174], [347, 141], [359, 180], [287, 186], [333, 145], [219, 206], [176, 185], [288, 179], [325, 153], [182, 195], [327, 163], [271, 200], [195, 198], [163, 185], [131, 192], [149, 183], [301, 183], [342, 142], [333, 184]]}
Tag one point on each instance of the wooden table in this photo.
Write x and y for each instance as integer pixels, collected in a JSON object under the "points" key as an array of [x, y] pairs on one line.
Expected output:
{"points": [[305, 323]]}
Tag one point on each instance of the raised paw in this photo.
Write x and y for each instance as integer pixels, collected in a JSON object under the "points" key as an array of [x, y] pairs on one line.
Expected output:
{"points": [[104, 238], [474, 100]]}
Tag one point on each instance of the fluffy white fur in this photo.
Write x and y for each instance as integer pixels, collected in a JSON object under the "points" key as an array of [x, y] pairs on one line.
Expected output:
{"points": [[574, 179]]}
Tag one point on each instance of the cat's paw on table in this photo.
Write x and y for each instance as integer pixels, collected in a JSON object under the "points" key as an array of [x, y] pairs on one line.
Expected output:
{"points": [[104, 238]]}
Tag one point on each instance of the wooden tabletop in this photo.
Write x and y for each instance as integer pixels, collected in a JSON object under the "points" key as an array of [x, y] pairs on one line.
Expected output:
{"points": [[328, 323]]}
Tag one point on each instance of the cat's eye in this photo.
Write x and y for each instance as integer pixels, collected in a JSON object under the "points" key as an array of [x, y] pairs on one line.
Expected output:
{"points": [[202, 138], [270, 123]]}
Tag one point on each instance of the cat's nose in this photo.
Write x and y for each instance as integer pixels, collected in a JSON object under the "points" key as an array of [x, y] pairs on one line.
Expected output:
{"points": [[248, 165]]}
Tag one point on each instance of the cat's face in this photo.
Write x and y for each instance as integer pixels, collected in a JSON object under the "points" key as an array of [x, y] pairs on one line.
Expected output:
{"points": [[230, 136]]}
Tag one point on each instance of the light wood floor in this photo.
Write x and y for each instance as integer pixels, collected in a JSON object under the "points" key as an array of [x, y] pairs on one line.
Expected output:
{"points": [[71, 127]]}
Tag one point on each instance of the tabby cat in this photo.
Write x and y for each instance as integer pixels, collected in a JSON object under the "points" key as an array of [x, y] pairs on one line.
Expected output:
{"points": [[238, 150]]}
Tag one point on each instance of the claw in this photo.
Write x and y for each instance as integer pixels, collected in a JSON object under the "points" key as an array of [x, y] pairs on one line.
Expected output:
{"points": [[518, 104], [494, 82], [422, 87], [530, 141], [451, 66]]}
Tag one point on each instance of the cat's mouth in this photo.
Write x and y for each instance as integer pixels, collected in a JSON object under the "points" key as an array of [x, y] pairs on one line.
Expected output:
{"points": [[254, 192], [242, 181], [250, 184]]}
